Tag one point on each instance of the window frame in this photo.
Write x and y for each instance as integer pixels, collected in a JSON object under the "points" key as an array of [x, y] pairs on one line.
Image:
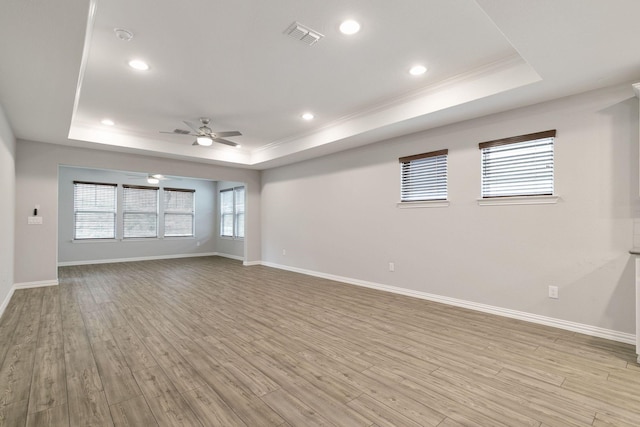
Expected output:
{"points": [[530, 197], [431, 193], [138, 212], [235, 214], [169, 212], [114, 212]]}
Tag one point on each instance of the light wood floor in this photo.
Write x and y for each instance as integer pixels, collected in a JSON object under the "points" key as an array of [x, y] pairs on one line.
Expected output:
{"points": [[209, 342]]}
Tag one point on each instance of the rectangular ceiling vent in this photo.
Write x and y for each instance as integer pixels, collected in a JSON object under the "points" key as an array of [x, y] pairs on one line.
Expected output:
{"points": [[303, 33]]}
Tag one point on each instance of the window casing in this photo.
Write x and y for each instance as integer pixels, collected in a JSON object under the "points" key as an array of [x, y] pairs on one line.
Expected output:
{"points": [[178, 212], [423, 177], [232, 212], [94, 207], [140, 212], [518, 166]]}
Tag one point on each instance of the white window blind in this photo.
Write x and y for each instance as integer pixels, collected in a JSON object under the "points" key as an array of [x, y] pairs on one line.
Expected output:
{"points": [[178, 212], [238, 194], [424, 176], [232, 212], [518, 166], [226, 213], [140, 212], [94, 208]]}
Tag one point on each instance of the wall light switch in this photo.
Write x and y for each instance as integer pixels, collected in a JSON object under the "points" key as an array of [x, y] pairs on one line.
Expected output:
{"points": [[34, 220]]}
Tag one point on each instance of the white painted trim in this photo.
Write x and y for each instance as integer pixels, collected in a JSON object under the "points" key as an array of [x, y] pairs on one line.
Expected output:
{"points": [[505, 312], [133, 259], [5, 303], [519, 200], [25, 285], [249, 263], [236, 257], [39, 284], [423, 204]]}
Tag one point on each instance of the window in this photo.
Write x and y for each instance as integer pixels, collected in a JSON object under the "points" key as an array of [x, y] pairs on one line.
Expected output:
{"points": [[94, 208], [178, 212], [238, 196], [518, 166], [232, 212], [423, 177], [140, 212]]}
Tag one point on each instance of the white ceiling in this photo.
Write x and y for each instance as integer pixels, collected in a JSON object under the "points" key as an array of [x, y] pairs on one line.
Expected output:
{"points": [[62, 69]]}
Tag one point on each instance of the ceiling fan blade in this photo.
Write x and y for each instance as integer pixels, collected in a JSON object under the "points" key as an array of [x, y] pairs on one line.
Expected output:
{"points": [[225, 142], [192, 126], [178, 132], [227, 133], [195, 143]]}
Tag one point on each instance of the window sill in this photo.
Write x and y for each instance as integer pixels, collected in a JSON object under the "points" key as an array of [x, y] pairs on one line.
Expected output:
{"points": [[519, 200], [95, 240], [423, 204]]}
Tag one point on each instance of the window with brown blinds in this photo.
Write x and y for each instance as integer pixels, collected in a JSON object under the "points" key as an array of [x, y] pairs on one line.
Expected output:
{"points": [[518, 166], [423, 177]]}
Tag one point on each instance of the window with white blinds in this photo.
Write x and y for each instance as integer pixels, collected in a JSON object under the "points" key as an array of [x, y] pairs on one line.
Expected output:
{"points": [[423, 177], [238, 196], [94, 208], [232, 212], [178, 212], [518, 166], [140, 212]]}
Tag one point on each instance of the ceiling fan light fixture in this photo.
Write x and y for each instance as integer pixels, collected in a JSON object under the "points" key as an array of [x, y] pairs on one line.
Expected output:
{"points": [[204, 141], [152, 180], [107, 122]]}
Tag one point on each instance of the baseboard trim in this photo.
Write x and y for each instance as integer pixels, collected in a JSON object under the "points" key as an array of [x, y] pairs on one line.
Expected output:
{"points": [[248, 263], [39, 284], [24, 285], [500, 311], [134, 259], [5, 303], [236, 257]]}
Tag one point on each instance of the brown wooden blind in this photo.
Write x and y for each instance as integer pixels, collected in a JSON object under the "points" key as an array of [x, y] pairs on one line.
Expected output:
{"points": [[423, 155], [520, 138]]}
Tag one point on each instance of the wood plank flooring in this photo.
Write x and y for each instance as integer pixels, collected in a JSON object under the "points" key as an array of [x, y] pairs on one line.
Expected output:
{"points": [[208, 342]]}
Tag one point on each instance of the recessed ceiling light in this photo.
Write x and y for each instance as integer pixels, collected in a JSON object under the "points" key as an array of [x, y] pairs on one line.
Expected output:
{"points": [[122, 34], [108, 122], [417, 70], [308, 116], [349, 27], [138, 64]]}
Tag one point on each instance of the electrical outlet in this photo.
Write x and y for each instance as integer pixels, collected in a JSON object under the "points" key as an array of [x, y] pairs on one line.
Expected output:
{"points": [[553, 292], [392, 266]]}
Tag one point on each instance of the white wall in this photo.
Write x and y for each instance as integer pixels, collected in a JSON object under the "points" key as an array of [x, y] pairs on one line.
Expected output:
{"points": [[202, 242], [37, 183], [337, 215], [227, 245], [7, 207]]}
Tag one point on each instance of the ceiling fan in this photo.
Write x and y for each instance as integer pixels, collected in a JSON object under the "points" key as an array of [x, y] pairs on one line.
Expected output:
{"points": [[205, 135], [151, 178]]}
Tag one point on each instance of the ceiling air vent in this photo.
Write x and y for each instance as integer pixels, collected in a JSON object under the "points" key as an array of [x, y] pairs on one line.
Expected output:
{"points": [[303, 33]]}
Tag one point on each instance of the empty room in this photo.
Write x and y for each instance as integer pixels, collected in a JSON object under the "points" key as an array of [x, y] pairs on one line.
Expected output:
{"points": [[338, 213]]}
